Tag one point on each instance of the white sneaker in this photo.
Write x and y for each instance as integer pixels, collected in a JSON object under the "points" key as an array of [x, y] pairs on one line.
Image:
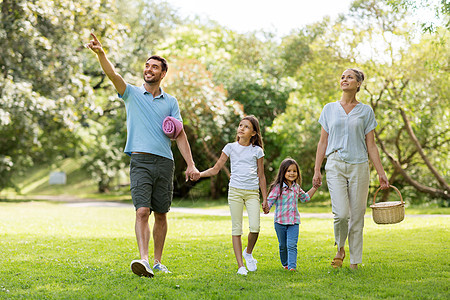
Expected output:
{"points": [[249, 261], [161, 268], [141, 267], [242, 271]]}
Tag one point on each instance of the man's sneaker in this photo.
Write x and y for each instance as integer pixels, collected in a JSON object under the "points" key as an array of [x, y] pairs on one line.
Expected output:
{"points": [[160, 267], [141, 267], [242, 271], [249, 261]]}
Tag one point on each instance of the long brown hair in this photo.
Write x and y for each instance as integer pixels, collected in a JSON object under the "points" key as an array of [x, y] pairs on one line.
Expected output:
{"points": [[285, 164], [257, 138]]}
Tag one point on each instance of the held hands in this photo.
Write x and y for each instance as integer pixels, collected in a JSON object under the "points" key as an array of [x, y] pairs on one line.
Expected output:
{"points": [[317, 180], [265, 207], [94, 45], [192, 173], [202, 174]]}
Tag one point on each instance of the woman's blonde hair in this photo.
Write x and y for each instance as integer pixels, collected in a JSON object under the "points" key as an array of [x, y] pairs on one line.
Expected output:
{"points": [[359, 76]]}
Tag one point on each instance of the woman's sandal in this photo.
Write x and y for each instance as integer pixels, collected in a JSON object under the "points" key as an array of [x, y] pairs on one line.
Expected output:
{"points": [[337, 262]]}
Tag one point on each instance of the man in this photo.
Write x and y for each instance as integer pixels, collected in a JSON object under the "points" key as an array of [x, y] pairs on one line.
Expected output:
{"points": [[151, 164]]}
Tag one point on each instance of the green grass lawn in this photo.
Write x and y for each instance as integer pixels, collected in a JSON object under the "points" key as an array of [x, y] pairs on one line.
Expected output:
{"points": [[54, 251]]}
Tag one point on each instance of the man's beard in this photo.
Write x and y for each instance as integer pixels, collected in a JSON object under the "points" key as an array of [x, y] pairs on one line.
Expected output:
{"points": [[155, 79]]}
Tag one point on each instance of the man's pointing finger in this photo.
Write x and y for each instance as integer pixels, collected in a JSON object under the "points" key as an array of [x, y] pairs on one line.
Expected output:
{"points": [[95, 38]]}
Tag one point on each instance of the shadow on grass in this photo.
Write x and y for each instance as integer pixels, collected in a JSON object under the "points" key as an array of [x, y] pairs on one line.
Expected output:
{"points": [[191, 202], [6, 200]]}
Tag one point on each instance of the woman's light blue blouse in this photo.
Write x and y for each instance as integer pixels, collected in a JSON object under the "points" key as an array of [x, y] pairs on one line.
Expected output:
{"points": [[347, 132]]}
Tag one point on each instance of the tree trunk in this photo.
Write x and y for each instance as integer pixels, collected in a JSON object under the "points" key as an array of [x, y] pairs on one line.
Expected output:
{"points": [[214, 157], [410, 131], [436, 193], [103, 186], [212, 187]]}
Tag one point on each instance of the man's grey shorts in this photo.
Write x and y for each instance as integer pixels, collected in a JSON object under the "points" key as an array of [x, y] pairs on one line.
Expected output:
{"points": [[151, 178]]}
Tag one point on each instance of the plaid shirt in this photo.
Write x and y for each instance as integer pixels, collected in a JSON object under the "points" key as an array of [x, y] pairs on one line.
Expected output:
{"points": [[286, 211]]}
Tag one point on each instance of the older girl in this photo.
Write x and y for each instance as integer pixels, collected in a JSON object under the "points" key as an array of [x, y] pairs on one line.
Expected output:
{"points": [[247, 177]]}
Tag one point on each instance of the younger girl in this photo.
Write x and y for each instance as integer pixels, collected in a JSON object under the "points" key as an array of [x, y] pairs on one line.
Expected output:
{"points": [[247, 177], [284, 192]]}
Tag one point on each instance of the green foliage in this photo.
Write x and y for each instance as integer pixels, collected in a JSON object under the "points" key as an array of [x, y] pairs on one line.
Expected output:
{"points": [[147, 23], [35, 181], [401, 86], [57, 103], [104, 139], [249, 69], [297, 129], [208, 118], [404, 71], [46, 97], [296, 47], [33, 128], [103, 146], [58, 252], [440, 9]]}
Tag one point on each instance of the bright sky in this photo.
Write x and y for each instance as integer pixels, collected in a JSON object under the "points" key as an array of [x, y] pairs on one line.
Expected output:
{"points": [[278, 16]]}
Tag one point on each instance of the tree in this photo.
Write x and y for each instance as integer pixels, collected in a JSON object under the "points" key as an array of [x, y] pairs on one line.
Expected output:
{"points": [[440, 9], [143, 24], [208, 118], [45, 97], [316, 73], [407, 77], [421, 131], [248, 67], [412, 136]]}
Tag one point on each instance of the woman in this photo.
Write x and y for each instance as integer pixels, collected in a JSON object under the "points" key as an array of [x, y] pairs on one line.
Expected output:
{"points": [[347, 140]]}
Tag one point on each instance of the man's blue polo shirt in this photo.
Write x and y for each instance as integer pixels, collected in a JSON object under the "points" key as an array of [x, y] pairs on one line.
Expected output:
{"points": [[145, 115]]}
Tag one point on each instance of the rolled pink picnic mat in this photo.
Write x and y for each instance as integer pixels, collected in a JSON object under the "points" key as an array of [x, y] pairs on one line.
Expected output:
{"points": [[172, 127]]}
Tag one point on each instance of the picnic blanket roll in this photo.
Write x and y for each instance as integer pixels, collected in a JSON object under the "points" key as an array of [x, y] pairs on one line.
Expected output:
{"points": [[172, 127]]}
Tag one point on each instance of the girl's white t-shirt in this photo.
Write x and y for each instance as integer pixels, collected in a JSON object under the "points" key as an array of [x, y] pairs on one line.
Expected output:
{"points": [[244, 167]]}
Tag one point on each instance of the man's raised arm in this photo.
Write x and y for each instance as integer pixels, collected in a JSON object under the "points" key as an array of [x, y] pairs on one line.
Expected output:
{"points": [[107, 66]]}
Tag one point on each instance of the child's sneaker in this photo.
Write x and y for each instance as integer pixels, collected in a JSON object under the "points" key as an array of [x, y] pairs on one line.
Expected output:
{"points": [[242, 271], [249, 261], [141, 267], [160, 267], [285, 267]]}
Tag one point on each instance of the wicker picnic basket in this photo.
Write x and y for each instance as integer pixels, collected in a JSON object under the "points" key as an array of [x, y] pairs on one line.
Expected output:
{"points": [[388, 212]]}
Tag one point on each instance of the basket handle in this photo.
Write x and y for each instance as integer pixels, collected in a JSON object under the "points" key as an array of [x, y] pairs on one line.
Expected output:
{"points": [[396, 189]]}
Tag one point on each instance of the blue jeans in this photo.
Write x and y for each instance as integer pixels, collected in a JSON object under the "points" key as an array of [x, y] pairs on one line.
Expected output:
{"points": [[287, 240]]}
